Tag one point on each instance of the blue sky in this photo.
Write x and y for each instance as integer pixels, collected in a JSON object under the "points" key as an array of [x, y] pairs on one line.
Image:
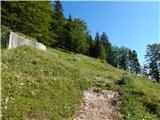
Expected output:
{"points": [[130, 24]]}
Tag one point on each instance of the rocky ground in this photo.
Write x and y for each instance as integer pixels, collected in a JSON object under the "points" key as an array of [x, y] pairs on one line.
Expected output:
{"points": [[99, 105]]}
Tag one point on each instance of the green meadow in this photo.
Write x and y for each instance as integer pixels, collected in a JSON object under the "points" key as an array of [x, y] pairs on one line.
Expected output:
{"points": [[49, 85]]}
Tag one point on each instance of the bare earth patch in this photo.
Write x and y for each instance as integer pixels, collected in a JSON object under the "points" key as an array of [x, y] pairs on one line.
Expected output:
{"points": [[99, 105]]}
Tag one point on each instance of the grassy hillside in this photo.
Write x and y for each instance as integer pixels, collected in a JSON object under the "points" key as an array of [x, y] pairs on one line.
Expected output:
{"points": [[49, 85]]}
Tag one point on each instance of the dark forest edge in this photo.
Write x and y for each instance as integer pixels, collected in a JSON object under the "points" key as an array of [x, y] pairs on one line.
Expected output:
{"points": [[45, 21]]}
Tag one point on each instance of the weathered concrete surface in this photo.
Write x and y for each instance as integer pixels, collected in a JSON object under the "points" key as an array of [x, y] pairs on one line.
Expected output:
{"points": [[16, 40]]}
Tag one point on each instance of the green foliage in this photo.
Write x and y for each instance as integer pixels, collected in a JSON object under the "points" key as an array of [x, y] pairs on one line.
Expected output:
{"points": [[32, 18], [153, 61], [78, 36], [125, 59], [102, 53], [110, 86], [58, 12], [96, 46], [91, 46], [119, 57], [125, 80], [74, 37], [133, 62], [99, 50], [5, 31], [106, 44], [57, 23]]}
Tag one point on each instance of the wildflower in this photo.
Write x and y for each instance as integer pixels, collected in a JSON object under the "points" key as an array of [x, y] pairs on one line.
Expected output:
{"points": [[5, 107], [7, 98], [21, 83]]}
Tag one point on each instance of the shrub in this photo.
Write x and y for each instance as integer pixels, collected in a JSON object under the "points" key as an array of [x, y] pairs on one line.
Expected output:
{"points": [[110, 86], [4, 36], [152, 105], [125, 80]]}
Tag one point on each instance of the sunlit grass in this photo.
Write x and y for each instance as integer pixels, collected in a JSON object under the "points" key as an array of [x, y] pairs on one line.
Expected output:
{"points": [[49, 85]]}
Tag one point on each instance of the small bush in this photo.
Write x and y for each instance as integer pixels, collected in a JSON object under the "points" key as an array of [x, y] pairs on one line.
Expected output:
{"points": [[138, 93], [99, 84], [4, 36], [110, 86], [125, 80], [152, 105]]}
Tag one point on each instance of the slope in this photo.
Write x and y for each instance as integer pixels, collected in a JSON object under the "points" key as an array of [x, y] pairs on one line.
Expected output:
{"points": [[48, 85]]}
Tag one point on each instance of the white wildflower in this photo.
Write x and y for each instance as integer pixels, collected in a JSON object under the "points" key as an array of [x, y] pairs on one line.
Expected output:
{"points": [[21, 83], [7, 98], [5, 107]]}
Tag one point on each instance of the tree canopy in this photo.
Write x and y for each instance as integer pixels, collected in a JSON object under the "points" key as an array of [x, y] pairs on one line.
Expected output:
{"points": [[32, 18], [124, 58], [153, 61]]}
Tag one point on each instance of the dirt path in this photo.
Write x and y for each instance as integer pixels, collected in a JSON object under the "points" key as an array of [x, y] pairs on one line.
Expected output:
{"points": [[99, 105]]}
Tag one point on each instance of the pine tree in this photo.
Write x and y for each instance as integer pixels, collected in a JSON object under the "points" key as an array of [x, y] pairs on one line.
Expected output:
{"points": [[32, 18], [106, 44], [153, 61], [136, 65], [91, 46], [102, 53], [125, 59], [99, 51], [58, 21], [130, 61], [144, 71], [97, 42], [79, 36], [74, 37], [114, 57]]}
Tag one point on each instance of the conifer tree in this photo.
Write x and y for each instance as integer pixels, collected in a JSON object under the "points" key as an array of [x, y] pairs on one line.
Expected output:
{"points": [[97, 42], [32, 18], [57, 24], [99, 51], [78, 33], [153, 61], [74, 36], [91, 46], [125, 59], [102, 53], [106, 44], [136, 65]]}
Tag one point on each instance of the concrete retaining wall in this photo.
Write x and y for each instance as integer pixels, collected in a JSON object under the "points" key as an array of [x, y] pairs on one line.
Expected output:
{"points": [[16, 40]]}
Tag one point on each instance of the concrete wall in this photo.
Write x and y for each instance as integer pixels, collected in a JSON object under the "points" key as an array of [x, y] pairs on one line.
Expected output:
{"points": [[16, 40]]}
